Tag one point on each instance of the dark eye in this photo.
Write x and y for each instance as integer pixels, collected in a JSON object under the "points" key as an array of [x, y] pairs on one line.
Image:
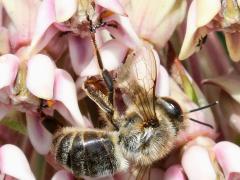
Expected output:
{"points": [[172, 108], [131, 119]]}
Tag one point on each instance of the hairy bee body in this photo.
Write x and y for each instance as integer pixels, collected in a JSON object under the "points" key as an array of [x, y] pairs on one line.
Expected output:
{"points": [[143, 126], [88, 153]]}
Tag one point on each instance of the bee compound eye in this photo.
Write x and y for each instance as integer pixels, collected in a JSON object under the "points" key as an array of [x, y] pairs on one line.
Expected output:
{"points": [[172, 108]]}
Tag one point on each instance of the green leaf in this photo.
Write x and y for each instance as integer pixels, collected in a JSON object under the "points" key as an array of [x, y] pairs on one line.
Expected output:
{"points": [[15, 121]]}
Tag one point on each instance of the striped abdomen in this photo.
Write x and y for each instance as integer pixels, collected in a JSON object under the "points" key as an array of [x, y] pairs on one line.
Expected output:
{"points": [[88, 153]]}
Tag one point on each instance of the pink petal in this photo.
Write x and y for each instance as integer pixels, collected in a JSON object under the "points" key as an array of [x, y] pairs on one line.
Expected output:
{"points": [[62, 175], [112, 54], [81, 52], [163, 82], [8, 69], [65, 9], [228, 156], [65, 92], [40, 138], [23, 17], [14, 163], [43, 41], [197, 164], [64, 112], [113, 5], [45, 18], [4, 40], [174, 172], [40, 76], [124, 31], [158, 16]]}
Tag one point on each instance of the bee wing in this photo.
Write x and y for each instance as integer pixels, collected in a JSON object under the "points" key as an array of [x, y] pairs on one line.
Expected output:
{"points": [[137, 78]]}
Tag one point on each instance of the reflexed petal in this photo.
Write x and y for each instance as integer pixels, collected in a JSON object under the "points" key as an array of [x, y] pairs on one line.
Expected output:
{"points": [[174, 172], [8, 69], [199, 15], [45, 18], [62, 175], [124, 31], [23, 14], [113, 5], [228, 156], [65, 92], [40, 76], [81, 51], [197, 164], [65, 9], [112, 54], [233, 45], [229, 83], [40, 138], [4, 40], [14, 163], [43, 41]]}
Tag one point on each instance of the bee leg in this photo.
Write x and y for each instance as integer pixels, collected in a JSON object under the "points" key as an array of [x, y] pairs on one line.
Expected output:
{"points": [[88, 152]]}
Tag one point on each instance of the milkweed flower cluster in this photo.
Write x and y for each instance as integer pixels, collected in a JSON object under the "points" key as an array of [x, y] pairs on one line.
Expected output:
{"points": [[47, 51]]}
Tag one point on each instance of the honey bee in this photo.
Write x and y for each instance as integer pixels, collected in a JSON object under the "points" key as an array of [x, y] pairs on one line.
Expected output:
{"points": [[141, 127]]}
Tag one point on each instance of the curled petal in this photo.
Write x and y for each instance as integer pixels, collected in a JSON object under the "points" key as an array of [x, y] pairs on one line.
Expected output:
{"points": [[40, 138], [81, 52], [65, 9], [197, 164], [112, 54], [228, 156], [14, 163], [174, 172], [40, 76], [199, 15], [114, 6], [65, 92], [62, 175], [8, 69]]}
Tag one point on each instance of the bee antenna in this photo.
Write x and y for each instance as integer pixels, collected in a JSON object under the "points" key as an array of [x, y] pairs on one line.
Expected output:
{"points": [[199, 122], [203, 107]]}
